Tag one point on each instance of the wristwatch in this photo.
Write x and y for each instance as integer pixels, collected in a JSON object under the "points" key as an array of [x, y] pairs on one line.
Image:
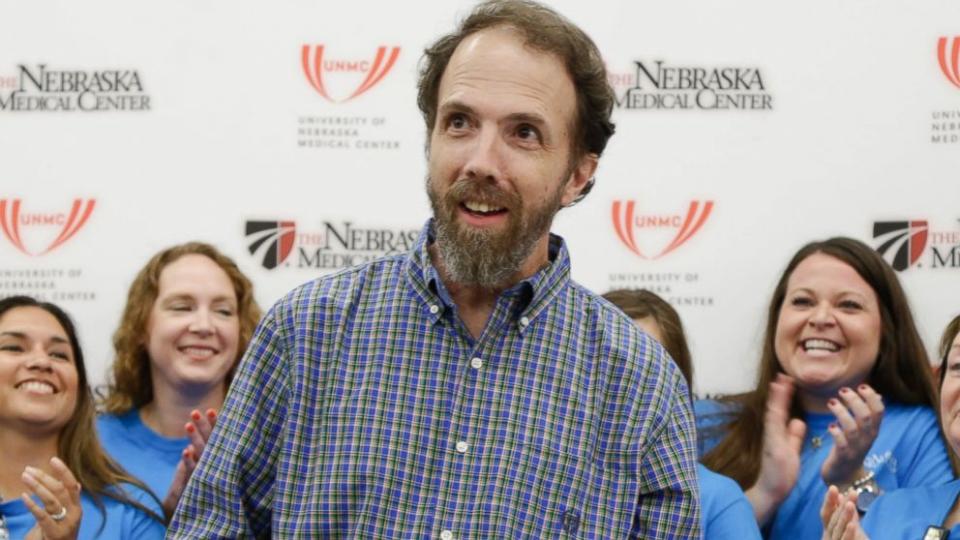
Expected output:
{"points": [[867, 491]]}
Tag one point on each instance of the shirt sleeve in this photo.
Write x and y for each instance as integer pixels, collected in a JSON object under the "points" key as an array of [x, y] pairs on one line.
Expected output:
{"points": [[669, 505], [923, 459], [230, 494]]}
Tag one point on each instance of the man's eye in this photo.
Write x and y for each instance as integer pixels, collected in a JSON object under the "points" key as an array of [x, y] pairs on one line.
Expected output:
{"points": [[528, 132], [457, 121]]}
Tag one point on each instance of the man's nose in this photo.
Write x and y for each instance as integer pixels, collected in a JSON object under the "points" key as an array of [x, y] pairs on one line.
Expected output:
{"points": [[485, 156]]}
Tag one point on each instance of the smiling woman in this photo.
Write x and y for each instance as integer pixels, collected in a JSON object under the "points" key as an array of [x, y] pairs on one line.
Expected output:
{"points": [[189, 315], [844, 397], [47, 438]]}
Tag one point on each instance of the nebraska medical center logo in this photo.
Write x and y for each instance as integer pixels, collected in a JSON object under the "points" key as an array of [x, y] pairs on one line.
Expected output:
{"points": [[39, 88], [658, 85], [945, 127], [318, 70], [948, 55], [344, 80], [36, 233], [911, 243], [629, 224], [334, 246]]}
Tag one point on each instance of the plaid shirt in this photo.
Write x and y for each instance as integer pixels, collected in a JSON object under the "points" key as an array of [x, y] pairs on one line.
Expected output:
{"points": [[363, 408]]}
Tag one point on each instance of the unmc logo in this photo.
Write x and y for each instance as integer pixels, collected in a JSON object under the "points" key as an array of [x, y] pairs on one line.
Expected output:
{"points": [[901, 243], [272, 241], [11, 220], [626, 222], [314, 67], [950, 65]]}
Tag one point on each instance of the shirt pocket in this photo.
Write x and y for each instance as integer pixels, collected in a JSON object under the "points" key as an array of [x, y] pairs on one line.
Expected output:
{"points": [[582, 496]]}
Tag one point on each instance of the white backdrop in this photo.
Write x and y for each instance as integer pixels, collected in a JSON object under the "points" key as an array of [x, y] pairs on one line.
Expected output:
{"points": [[850, 120]]}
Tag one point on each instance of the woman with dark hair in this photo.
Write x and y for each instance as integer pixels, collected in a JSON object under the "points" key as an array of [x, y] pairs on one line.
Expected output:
{"points": [[920, 512], [845, 395], [725, 513], [55, 480], [190, 313]]}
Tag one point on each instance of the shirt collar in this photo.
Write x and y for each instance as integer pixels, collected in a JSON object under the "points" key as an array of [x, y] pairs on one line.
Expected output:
{"points": [[535, 293]]}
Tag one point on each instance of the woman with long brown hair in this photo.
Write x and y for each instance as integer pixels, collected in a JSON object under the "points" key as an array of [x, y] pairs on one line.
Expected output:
{"points": [[55, 480], [844, 394], [190, 313]]}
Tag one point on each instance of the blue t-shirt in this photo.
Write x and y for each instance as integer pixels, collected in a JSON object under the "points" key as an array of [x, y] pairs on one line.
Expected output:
{"points": [[143, 452], [907, 513], [908, 452], [725, 511], [122, 520]]}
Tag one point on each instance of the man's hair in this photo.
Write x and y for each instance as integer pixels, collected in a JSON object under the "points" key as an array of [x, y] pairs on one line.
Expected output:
{"points": [[545, 30]]}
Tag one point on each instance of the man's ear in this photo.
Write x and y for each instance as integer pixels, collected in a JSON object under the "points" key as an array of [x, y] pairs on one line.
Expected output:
{"points": [[579, 177]]}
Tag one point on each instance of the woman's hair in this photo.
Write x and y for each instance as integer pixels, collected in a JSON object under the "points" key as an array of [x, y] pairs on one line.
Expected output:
{"points": [[946, 342], [900, 374], [132, 387], [77, 444], [641, 303]]}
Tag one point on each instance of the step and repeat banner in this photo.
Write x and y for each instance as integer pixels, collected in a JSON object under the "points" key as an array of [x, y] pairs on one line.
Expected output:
{"points": [[288, 135]]}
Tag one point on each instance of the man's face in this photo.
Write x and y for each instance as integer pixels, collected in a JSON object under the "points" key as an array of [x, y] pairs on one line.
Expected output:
{"points": [[500, 161]]}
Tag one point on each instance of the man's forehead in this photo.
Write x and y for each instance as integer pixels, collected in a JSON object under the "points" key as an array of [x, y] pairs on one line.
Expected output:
{"points": [[497, 61]]}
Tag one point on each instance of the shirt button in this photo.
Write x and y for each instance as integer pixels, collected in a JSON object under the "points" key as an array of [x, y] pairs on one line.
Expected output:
{"points": [[524, 322], [434, 309], [476, 363], [462, 446], [446, 535]]}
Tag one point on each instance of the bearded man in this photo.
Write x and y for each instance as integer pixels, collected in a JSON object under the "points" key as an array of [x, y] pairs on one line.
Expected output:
{"points": [[468, 388]]}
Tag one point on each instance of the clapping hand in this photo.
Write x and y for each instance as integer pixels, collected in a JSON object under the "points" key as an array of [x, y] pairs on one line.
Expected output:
{"points": [[782, 442], [198, 429], [859, 414], [59, 517], [839, 516]]}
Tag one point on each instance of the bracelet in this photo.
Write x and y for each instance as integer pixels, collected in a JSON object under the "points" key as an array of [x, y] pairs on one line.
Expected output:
{"points": [[860, 482]]}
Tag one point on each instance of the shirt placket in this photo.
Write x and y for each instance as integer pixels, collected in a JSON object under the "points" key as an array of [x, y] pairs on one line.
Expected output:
{"points": [[459, 496]]}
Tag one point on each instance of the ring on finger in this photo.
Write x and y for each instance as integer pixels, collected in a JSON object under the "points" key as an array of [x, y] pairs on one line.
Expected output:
{"points": [[61, 515]]}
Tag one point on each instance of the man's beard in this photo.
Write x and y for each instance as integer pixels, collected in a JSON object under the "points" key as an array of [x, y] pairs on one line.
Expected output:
{"points": [[488, 258]]}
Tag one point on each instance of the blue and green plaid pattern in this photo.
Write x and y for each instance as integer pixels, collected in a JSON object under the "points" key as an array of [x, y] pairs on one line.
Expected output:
{"points": [[364, 409]]}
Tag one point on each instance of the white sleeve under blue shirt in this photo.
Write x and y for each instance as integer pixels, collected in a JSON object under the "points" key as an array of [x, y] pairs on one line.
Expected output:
{"points": [[145, 454], [908, 452], [122, 520], [725, 512]]}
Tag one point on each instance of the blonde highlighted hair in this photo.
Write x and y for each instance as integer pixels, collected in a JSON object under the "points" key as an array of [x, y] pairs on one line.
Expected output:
{"points": [[131, 386]]}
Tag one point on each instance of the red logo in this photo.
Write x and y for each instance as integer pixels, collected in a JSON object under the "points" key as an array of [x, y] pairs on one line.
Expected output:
{"points": [[626, 221], [315, 66], [12, 219], [949, 63]]}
